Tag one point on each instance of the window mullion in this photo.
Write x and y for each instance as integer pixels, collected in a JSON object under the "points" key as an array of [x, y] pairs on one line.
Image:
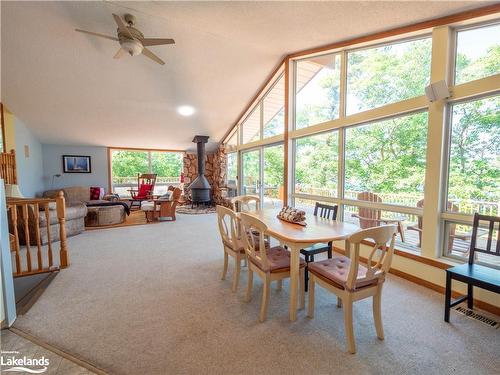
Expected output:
{"points": [[440, 64]]}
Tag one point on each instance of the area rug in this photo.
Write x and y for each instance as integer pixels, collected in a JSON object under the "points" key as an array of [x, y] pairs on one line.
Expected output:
{"points": [[188, 210], [149, 300]]}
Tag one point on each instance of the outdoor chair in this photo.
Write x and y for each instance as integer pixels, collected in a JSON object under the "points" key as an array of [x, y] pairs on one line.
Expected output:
{"points": [[452, 228], [371, 217], [144, 192]]}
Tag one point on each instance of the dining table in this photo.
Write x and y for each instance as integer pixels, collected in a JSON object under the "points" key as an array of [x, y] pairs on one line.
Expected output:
{"points": [[296, 237]]}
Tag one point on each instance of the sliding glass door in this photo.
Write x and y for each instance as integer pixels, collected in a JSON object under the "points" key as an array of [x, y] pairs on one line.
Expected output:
{"points": [[251, 173], [273, 176], [262, 174]]}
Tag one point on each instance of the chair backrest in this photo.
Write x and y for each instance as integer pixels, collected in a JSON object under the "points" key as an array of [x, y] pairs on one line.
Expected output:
{"points": [[146, 179], [380, 257], [253, 231], [369, 217], [245, 202], [176, 194], [450, 206], [326, 211], [227, 220], [491, 247]]}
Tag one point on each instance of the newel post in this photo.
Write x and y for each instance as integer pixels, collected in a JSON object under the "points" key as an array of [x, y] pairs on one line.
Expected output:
{"points": [[61, 216]]}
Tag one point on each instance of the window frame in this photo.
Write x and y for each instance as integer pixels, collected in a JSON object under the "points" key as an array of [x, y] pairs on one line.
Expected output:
{"points": [[445, 215], [341, 53], [455, 31]]}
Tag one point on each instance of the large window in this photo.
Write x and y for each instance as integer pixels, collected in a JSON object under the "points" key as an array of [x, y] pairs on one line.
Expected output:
{"points": [[232, 173], [474, 160], [127, 164], [387, 74], [478, 53], [317, 86], [251, 127], [387, 158], [316, 164], [274, 110]]}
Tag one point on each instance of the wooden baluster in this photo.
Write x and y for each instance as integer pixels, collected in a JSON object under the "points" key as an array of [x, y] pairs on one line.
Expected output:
{"points": [[49, 240], [13, 214], [27, 235], [63, 254], [36, 209]]}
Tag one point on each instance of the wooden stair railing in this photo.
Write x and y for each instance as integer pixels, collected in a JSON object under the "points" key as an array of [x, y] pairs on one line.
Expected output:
{"points": [[19, 209], [8, 167]]}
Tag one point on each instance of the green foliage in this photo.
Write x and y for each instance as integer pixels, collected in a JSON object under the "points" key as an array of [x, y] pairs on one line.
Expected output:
{"points": [[129, 163], [316, 163], [475, 150]]}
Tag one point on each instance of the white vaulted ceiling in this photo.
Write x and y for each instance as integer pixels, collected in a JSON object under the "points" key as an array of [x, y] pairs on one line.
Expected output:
{"points": [[68, 89]]}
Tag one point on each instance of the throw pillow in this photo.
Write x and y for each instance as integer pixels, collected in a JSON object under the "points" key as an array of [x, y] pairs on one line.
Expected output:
{"points": [[95, 193]]}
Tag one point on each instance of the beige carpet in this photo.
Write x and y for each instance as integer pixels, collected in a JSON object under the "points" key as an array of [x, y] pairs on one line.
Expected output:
{"points": [[148, 300]]}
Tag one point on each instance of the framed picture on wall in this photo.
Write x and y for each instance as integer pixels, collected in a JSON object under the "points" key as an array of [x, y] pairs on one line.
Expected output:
{"points": [[76, 164]]}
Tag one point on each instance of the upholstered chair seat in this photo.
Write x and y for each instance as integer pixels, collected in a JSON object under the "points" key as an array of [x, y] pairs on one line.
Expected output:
{"points": [[278, 260], [336, 270]]}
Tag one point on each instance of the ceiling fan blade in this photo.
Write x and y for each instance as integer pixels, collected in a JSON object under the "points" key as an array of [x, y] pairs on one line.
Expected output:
{"points": [[97, 34], [119, 54], [156, 41], [121, 26], [152, 56]]}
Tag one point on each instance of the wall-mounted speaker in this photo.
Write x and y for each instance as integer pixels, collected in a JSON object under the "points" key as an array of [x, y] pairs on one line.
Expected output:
{"points": [[437, 91]]}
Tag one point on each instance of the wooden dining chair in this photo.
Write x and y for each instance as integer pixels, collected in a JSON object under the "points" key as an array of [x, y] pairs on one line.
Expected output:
{"points": [[475, 275], [245, 203], [326, 212], [270, 264], [231, 244], [350, 281]]}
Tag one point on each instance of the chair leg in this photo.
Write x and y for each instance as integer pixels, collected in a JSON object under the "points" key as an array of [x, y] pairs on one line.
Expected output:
{"points": [[470, 296], [310, 307], [349, 329], [249, 285], [377, 312], [306, 279], [224, 271], [236, 275], [265, 299], [302, 295], [447, 298]]}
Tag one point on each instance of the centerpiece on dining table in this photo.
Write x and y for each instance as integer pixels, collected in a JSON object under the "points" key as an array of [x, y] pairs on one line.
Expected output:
{"points": [[292, 215]]}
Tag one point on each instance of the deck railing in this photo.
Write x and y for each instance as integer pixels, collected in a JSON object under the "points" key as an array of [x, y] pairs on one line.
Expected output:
{"points": [[25, 262], [122, 185], [467, 206]]}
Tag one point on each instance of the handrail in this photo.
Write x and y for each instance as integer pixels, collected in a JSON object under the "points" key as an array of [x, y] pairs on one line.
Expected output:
{"points": [[19, 210]]}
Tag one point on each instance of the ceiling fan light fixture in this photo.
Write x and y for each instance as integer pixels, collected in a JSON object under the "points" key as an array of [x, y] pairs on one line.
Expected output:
{"points": [[186, 110], [132, 46]]}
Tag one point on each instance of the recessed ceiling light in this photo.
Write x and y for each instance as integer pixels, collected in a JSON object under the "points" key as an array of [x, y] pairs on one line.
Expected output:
{"points": [[185, 110]]}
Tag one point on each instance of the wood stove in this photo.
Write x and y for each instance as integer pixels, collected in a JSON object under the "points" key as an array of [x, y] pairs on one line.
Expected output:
{"points": [[200, 188]]}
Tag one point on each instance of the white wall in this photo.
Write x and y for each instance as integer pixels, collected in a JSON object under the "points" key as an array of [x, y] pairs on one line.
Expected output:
{"points": [[29, 166], [52, 164]]}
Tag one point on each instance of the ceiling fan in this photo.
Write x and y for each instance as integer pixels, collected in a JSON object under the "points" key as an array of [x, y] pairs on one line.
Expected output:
{"points": [[132, 40]]}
